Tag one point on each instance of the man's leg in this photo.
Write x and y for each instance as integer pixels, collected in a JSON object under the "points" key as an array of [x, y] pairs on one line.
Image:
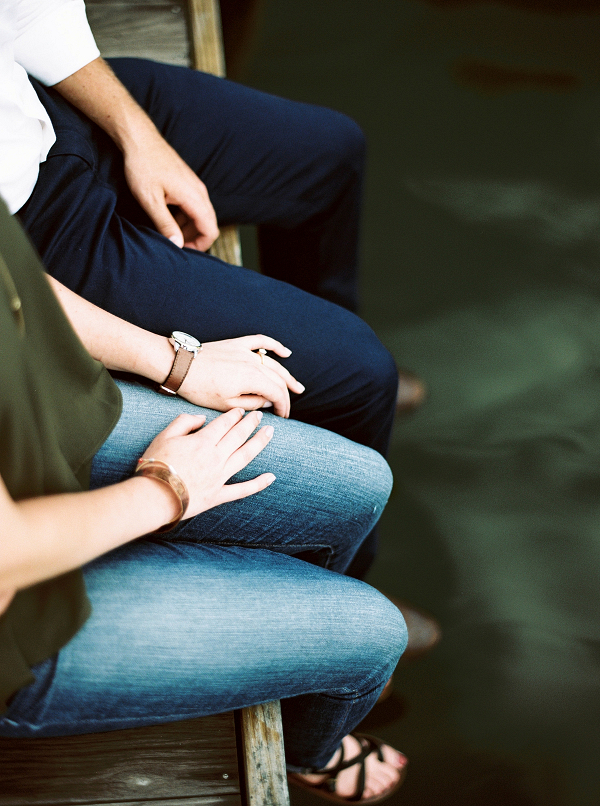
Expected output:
{"points": [[94, 238], [294, 169], [84, 223]]}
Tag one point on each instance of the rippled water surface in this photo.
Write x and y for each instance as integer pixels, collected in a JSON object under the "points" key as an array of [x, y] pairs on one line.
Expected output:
{"points": [[481, 271]]}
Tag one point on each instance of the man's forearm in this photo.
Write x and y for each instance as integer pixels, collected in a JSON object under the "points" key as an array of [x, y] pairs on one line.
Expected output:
{"points": [[157, 176], [118, 344], [98, 93]]}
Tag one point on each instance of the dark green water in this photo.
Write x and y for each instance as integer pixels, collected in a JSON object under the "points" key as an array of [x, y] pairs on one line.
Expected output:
{"points": [[481, 271]]}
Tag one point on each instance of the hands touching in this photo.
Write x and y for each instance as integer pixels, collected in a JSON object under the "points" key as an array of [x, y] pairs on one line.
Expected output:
{"points": [[206, 457], [226, 376], [228, 373], [157, 177]]}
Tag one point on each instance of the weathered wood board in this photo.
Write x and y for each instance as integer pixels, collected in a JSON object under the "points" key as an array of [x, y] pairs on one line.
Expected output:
{"points": [[145, 29], [192, 759]]}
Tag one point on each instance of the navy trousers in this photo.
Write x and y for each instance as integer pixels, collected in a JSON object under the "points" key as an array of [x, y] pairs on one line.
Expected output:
{"points": [[294, 170]]}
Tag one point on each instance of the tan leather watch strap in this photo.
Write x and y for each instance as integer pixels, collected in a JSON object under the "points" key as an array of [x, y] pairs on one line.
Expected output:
{"points": [[181, 365]]}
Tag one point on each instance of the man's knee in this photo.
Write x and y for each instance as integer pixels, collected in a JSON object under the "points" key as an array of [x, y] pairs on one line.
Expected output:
{"points": [[371, 364], [347, 144], [351, 143]]}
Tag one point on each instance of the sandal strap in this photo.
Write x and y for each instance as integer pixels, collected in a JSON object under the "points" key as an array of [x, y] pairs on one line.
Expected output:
{"points": [[369, 744]]}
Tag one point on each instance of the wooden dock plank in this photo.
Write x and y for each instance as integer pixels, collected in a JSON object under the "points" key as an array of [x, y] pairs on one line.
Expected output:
{"points": [[191, 759], [146, 30]]}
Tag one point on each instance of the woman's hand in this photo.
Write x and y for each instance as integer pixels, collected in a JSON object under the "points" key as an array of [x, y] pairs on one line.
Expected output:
{"points": [[47, 536], [206, 457], [228, 373]]}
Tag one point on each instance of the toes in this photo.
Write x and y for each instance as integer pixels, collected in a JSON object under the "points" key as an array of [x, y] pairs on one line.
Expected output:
{"points": [[393, 757]]}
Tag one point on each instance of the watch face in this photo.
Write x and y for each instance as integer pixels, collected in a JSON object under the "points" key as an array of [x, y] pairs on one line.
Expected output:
{"points": [[185, 340]]}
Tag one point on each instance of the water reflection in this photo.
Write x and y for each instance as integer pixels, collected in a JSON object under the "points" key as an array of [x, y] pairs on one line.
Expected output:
{"points": [[482, 273]]}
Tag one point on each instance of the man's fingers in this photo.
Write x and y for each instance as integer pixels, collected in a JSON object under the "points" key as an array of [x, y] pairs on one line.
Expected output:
{"points": [[164, 222], [193, 236], [203, 219], [201, 243]]}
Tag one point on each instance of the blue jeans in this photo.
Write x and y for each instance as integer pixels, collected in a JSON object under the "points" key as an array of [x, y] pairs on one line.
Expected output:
{"points": [[295, 170], [226, 611]]}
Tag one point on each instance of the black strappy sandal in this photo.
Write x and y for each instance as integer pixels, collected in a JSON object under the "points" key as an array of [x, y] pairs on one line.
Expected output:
{"points": [[326, 788]]}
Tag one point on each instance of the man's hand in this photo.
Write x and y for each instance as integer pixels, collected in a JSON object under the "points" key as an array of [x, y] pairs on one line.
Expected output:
{"points": [[157, 177], [156, 174], [226, 374]]}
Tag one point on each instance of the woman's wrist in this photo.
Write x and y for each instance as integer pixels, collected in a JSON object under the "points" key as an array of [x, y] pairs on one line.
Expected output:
{"points": [[168, 476], [159, 507]]}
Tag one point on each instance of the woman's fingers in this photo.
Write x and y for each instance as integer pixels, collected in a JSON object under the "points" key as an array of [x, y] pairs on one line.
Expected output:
{"points": [[292, 384], [237, 436], [242, 457], [250, 402], [233, 492], [260, 342], [263, 382], [267, 343], [184, 424], [222, 424]]}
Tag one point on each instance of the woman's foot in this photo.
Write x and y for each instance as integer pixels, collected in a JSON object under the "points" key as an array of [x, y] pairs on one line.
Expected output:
{"points": [[343, 780]]}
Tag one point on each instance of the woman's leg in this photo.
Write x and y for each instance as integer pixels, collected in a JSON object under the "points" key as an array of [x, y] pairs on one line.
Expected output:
{"points": [[328, 495], [183, 630]]}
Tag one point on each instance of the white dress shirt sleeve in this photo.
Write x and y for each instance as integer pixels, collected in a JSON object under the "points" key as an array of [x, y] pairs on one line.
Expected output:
{"points": [[53, 39]]}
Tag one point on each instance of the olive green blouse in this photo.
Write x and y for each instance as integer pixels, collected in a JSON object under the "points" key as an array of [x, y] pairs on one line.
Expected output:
{"points": [[57, 406]]}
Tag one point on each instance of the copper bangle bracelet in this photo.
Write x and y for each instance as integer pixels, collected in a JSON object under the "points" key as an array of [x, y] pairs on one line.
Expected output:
{"points": [[154, 469]]}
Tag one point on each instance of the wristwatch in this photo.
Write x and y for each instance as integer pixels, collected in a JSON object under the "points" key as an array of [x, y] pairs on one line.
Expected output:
{"points": [[186, 348]]}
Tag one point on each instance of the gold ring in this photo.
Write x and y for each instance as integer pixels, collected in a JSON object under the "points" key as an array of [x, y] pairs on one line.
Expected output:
{"points": [[262, 352]]}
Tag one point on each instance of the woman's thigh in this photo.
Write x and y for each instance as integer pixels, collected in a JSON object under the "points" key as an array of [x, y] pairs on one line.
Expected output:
{"points": [[179, 631], [328, 494]]}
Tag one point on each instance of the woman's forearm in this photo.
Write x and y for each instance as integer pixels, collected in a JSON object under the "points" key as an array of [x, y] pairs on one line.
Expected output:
{"points": [[226, 374], [45, 537], [118, 344]]}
